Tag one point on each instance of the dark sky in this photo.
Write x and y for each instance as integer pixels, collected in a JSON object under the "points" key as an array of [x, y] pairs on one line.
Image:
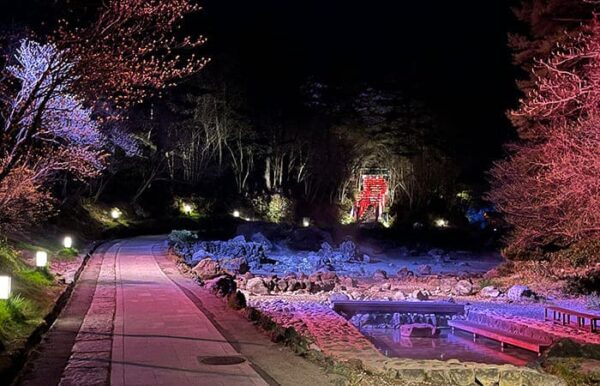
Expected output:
{"points": [[455, 52]]}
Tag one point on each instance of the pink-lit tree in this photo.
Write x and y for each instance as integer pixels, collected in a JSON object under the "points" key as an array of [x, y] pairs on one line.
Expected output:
{"points": [[549, 187]]}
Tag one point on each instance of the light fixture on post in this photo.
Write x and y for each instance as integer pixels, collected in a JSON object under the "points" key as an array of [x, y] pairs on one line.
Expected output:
{"points": [[41, 259], [115, 213], [4, 287], [236, 213], [305, 222], [68, 242]]}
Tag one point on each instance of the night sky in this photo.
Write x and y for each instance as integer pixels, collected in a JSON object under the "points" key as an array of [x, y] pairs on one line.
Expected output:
{"points": [[455, 53]]}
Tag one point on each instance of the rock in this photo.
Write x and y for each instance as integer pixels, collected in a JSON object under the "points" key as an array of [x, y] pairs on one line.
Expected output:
{"points": [[282, 285], [221, 286], [463, 288], [348, 282], [248, 275], [380, 274], [399, 296], [207, 269], [257, 286], [519, 292], [489, 292], [262, 240], [386, 286], [349, 251], [366, 259], [234, 266], [238, 239], [419, 295], [404, 273], [199, 254], [417, 330], [424, 269], [329, 276], [338, 296]]}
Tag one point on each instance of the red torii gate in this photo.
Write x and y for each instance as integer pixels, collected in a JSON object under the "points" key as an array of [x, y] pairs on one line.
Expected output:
{"points": [[373, 193]]}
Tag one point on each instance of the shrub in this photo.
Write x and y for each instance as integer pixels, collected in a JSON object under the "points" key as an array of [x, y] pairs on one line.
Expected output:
{"points": [[583, 284], [236, 300], [582, 253], [179, 237], [274, 208]]}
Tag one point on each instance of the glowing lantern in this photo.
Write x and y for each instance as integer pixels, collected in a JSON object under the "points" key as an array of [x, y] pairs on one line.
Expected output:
{"points": [[115, 213], [68, 242], [305, 222], [4, 287], [441, 223], [236, 213], [41, 259], [186, 208]]}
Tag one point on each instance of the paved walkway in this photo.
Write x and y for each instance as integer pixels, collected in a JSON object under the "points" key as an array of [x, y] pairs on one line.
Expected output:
{"points": [[159, 335]]}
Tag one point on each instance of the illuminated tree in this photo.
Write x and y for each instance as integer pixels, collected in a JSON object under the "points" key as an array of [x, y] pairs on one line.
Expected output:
{"points": [[549, 188]]}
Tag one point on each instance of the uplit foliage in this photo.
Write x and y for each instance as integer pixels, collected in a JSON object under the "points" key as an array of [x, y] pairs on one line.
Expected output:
{"points": [[130, 51], [46, 130], [548, 189]]}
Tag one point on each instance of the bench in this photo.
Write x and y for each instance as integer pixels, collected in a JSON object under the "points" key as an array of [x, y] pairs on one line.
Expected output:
{"points": [[498, 335], [563, 316]]}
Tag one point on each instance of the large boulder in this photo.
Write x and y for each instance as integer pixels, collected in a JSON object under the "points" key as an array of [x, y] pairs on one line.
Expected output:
{"points": [[489, 292], [380, 274], [207, 269], [404, 273], [519, 292], [237, 265], [262, 240], [221, 285], [417, 330], [257, 286], [463, 288], [199, 254], [419, 295]]}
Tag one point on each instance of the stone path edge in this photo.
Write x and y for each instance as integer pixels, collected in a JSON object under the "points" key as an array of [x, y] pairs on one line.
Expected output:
{"points": [[11, 374], [90, 359]]}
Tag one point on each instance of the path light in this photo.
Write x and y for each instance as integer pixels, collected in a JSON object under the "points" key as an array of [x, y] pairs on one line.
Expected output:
{"points": [[115, 213], [186, 208], [440, 223], [236, 213], [305, 222], [68, 242], [4, 287], [41, 259]]}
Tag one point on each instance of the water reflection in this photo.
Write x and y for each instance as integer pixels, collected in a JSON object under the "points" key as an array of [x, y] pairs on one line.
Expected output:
{"points": [[447, 345]]}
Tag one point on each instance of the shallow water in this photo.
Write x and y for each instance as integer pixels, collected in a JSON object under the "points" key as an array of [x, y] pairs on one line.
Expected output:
{"points": [[447, 345]]}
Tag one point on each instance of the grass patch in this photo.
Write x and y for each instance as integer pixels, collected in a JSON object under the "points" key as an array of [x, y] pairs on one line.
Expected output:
{"points": [[33, 294]]}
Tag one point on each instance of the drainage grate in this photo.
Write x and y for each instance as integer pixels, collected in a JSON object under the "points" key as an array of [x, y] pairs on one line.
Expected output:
{"points": [[221, 360]]}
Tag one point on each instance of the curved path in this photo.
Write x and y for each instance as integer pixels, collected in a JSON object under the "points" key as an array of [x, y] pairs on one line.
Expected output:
{"points": [[148, 325]]}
